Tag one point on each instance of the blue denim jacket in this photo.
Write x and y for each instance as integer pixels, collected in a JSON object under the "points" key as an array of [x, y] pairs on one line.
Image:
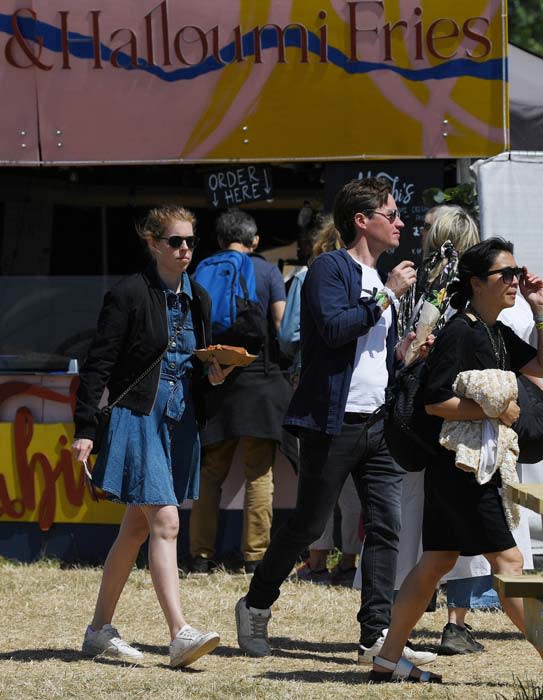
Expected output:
{"points": [[333, 317]]}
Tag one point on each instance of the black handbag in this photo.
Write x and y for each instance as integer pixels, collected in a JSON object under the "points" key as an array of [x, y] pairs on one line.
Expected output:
{"points": [[103, 416], [529, 426], [406, 420]]}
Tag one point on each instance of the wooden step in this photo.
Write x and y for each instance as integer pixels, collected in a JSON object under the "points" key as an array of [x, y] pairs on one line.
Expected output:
{"points": [[530, 589], [528, 586], [529, 495]]}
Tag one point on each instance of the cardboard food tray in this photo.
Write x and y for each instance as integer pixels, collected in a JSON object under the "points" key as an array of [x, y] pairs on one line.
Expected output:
{"points": [[225, 356]]}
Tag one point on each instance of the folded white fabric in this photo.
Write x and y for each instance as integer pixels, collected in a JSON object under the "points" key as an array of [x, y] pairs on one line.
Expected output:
{"points": [[482, 446]]}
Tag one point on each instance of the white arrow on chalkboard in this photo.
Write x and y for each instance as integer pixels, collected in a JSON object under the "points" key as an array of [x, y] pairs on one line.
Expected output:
{"points": [[267, 189], [215, 201]]}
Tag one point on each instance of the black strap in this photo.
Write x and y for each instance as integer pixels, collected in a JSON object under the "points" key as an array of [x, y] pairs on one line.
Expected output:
{"points": [[151, 367]]}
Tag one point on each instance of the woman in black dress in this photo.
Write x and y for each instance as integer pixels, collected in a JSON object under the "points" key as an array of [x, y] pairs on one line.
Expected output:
{"points": [[462, 517]]}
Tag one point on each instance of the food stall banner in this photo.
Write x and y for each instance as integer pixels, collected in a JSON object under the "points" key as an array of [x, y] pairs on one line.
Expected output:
{"points": [[41, 482], [224, 80]]}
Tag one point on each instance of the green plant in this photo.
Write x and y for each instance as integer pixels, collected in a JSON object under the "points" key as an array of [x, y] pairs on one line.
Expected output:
{"points": [[529, 690], [464, 195]]}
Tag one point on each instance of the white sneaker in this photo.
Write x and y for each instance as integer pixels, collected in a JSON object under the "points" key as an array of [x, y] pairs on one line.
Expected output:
{"points": [[189, 644], [252, 626], [107, 642], [419, 658]]}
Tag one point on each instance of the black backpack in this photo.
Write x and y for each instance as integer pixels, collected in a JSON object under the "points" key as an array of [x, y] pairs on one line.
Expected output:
{"points": [[529, 426], [406, 421]]}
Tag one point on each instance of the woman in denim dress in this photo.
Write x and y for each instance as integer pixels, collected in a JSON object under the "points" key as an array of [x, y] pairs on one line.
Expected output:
{"points": [[150, 457]]}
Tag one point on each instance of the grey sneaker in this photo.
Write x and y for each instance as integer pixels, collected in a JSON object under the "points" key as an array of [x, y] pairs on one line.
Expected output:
{"points": [[189, 644], [108, 642], [458, 640], [419, 658], [252, 626]]}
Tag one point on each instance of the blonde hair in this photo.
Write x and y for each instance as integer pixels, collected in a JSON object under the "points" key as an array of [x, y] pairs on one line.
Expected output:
{"points": [[454, 224], [327, 238], [158, 219]]}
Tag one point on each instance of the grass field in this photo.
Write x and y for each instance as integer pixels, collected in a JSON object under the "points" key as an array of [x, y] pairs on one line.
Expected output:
{"points": [[44, 611]]}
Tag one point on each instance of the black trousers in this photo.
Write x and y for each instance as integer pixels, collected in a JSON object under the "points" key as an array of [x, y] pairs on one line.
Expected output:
{"points": [[325, 463]]}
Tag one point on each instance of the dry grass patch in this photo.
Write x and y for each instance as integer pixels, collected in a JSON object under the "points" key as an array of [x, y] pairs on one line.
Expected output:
{"points": [[45, 609]]}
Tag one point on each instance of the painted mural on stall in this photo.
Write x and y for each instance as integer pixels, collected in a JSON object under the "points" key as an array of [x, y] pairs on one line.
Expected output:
{"points": [[219, 80]]}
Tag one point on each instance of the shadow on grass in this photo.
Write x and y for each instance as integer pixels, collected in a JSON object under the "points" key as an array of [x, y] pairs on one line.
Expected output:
{"points": [[65, 655], [478, 634], [284, 648], [359, 678]]}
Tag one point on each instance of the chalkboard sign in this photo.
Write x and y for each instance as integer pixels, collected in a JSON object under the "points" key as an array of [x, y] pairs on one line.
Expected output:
{"points": [[233, 187], [408, 179]]}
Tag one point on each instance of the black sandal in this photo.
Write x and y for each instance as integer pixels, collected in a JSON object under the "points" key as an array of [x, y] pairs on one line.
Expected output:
{"points": [[400, 671]]}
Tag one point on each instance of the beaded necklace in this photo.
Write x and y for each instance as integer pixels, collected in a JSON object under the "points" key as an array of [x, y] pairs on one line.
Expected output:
{"points": [[496, 339]]}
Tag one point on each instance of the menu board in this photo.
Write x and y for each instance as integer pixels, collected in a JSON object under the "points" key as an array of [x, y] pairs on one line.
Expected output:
{"points": [[408, 179]]}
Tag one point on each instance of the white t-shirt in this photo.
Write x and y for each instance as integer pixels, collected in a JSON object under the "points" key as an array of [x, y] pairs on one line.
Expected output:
{"points": [[370, 374]]}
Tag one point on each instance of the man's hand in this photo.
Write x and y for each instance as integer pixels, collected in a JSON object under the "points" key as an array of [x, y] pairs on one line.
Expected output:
{"points": [[511, 413], [402, 277], [216, 374], [404, 344]]}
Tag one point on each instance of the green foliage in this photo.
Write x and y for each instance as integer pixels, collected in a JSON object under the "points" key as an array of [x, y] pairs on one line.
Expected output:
{"points": [[465, 195], [526, 24], [529, 690]]}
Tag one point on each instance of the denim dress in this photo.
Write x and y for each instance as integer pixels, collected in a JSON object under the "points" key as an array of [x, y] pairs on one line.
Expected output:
{"points": [[155, 459]]}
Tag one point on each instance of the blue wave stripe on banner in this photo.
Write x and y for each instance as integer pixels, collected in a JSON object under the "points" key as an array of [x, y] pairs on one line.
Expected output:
{"points": [[81, 46]]}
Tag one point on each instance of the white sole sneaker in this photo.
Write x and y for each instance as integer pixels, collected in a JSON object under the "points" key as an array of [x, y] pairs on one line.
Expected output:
{"points": [[205, 645], [107, 642], [95, 652]]}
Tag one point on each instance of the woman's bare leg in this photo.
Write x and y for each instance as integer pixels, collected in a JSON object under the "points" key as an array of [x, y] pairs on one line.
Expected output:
{"points": [[163, 522], [119, 563], [412, 601]]}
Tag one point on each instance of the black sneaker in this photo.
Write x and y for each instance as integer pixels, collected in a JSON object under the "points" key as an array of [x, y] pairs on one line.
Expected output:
{"points": [[201, 565], [458, 640]]}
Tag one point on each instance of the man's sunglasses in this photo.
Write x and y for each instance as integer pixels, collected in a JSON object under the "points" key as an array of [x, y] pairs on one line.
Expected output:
{"points": [[176, 242], [392, 215], [507, 273]]}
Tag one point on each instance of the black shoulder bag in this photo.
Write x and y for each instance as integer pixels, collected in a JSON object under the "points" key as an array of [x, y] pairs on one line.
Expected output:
{"points": [[103, 416], [406, 419]]}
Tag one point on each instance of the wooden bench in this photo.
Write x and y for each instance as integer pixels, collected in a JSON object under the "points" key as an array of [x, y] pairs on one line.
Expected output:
{"points": [[527, 587]]}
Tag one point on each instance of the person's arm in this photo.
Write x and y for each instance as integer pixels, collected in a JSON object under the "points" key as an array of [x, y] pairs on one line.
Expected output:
{"points": [[338, 320], [278, 297], [289, 330], [531, 288], [465, 409], [104, 352]]}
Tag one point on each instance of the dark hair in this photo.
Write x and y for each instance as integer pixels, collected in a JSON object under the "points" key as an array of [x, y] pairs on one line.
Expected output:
{"points": [[235, 226], [475, 262], [358, 196]]}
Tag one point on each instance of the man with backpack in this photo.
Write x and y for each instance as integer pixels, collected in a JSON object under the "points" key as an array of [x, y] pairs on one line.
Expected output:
{"points": [[248, 301], [348, 344]]}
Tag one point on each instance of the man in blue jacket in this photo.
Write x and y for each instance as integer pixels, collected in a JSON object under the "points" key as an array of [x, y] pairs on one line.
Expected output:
{"points": [[348, 343]]}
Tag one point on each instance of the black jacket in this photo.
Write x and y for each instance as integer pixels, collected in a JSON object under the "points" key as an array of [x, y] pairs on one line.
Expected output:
{"points": [[132, 332]]}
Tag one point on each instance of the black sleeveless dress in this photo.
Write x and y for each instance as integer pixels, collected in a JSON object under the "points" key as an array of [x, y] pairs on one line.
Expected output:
{"points": [[460, 514]]}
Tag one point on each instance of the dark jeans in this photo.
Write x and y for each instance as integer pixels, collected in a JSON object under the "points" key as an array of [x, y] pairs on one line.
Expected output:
{"points": [[325, 463]]}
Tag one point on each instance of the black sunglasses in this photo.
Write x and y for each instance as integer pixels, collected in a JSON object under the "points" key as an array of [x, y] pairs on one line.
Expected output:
{"points": [[176, 242], [507, 273], [392, 215]]}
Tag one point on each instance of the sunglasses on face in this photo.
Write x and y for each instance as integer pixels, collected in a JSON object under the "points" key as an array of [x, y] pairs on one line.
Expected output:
{"points": [[507, 274], [176, 242], [391, 215]]}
